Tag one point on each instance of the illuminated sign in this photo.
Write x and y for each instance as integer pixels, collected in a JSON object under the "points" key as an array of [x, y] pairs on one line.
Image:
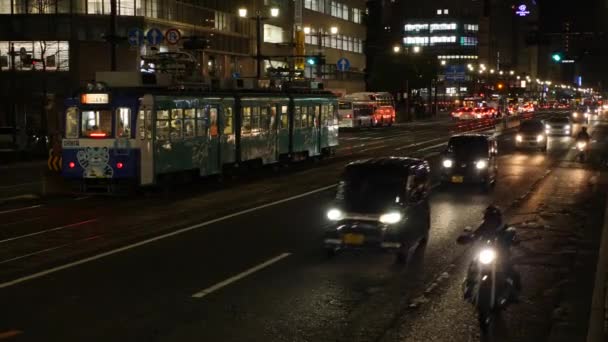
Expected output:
{"points": [[416, 40], [522, 10], [95, 98], [416, 27], [522, 84], [443, 39], [568, 61]]}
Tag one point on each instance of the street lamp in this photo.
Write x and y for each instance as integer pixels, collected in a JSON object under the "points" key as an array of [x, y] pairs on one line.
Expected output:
{"points": [[511, 72], [500, 72], [333, 30], [443, 62], [274, 12], [396, 49], [306, 30], [491, 71], [417, 49]]}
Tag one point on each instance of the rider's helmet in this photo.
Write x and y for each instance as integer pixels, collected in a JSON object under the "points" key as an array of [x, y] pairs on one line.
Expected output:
{"points": [[492, 214], [584, 129]]}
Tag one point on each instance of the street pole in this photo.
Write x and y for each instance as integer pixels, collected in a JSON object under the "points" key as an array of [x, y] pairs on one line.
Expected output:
{"points": [[319, 48], [258, 55], [113, 35], [13, 85]]}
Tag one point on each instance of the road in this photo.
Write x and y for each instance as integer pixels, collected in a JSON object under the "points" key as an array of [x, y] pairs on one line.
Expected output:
{"points": [[243, 261]]}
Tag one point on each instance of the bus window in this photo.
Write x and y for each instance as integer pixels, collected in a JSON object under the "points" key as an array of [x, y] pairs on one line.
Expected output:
{"points": [[246, 125], [213, 121], [297, 117], [189, 122], [123, 122], [71, 123], [228, 128], [162, 125], [201, 123], [96, 124], [176, 124], [255, 119], [284, 117], [304, 122]]}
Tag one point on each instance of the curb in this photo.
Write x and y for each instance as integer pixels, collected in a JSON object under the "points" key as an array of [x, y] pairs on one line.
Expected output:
{"points": [[596, 330]]}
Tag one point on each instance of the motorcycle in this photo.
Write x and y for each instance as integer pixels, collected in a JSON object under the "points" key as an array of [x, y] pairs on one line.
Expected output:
{"points": [[581, 147], [489, 285]]}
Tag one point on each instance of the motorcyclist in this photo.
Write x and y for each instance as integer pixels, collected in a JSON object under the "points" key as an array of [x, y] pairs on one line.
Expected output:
{"points": [[493, 227], [583, 135]]}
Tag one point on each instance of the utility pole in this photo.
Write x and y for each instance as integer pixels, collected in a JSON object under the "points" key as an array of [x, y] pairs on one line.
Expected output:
{"points": [[258, 51], [113, 35]]}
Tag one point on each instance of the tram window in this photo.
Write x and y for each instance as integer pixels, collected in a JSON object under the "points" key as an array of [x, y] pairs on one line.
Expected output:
{"points": [[315, 120], [163, 127], [141, 124], [324, 115], [273, 118], [228, 128], [213, 131], [189, 121], [96, 123], [255, 119], [264, 119], [176, 124], [246, 125], [297, 117], [71, 123], [148, 124], [304, 122], [123, 122], [201, 123], [284, 117]]}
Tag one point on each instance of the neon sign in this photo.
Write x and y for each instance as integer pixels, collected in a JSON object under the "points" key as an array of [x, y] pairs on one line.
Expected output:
{"points": [[522, 10], [94, 98]]}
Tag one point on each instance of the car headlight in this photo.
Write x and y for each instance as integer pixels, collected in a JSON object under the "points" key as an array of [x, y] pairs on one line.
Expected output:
{"points": [[568, 127], [390, 218], [547, 127], [540, 138], [586, 115], [574, 115], [519, 138], [334, 214], [448, 163], [481, 164], [486, 256]]}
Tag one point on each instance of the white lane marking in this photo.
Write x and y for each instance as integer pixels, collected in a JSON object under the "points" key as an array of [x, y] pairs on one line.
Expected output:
{"points": [[431, 147], [47, 230], [157, 238], [47, 250], [239, 276], [18, 185], [81, 198], [417, 144], [430, 155], [20, 209]]}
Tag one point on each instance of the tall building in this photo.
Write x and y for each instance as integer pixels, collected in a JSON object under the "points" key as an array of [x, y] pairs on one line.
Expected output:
{"points": [[50, 48]]}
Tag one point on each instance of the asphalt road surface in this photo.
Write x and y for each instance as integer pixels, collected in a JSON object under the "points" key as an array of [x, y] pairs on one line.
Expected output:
{"points": [[243, 261]]}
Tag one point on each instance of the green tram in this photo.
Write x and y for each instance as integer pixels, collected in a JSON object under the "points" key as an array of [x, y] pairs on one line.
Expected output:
{"points": [[144, 135]]}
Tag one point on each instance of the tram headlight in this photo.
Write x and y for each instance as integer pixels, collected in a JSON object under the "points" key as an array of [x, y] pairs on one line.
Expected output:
{"points": [[575, 115], [540, 138], [487, 255], [391, 218], [519, 138], [448, 163], [481, 164], [335, 214]]}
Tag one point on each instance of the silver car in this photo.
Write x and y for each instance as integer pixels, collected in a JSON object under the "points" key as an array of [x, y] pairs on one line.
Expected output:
{"points": [[558, 126]]}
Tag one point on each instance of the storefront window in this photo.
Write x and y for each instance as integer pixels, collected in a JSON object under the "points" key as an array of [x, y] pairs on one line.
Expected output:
{"points": [[38, 55]]}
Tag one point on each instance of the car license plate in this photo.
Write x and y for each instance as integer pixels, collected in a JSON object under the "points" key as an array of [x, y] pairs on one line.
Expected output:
{"points": [[354, 239], [457, 179]]}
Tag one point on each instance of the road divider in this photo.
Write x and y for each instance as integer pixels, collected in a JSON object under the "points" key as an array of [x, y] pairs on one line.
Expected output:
{"points": [[239, 276]]}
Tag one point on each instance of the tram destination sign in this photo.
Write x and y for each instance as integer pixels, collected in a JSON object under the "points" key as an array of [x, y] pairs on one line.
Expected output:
{"points": [[95, 98]]}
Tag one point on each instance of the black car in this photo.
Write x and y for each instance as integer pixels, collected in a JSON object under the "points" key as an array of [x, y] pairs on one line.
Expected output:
{"points": [[382, 204], [470, 158], [532, 135]]}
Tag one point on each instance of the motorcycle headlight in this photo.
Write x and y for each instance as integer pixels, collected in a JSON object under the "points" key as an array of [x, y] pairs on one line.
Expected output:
{"points": [[390, 218], [519, 138], [540, 138], [487, 255], [581, 145], [481, 164], [334, 214], [448, 163]]}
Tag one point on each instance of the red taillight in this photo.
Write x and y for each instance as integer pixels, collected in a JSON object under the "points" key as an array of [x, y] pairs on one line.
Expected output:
{"points": [[348, 116], [97, 135], [72, 165], [119, 165]]}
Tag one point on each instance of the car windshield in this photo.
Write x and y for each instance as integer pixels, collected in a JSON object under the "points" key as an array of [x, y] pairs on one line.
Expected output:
{"points": [[468, 146], [531, 126], [369, 189], [345, 105]]}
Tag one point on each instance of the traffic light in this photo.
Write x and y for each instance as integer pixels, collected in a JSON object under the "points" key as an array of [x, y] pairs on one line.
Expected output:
{"points": [[315, 60], [500, 86], [557, 57]]}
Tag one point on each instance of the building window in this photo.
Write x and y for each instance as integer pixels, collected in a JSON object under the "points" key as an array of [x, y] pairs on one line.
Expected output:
{"points": [[470, 27], [468, 41], [273, 34], [357, 15], [439, 12], [336, 9], [39, 55], [42, 7], [223, 21], [446, 12], [5, 7], [344, 12], [98, 7], [127, 7], [312, 4]]}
